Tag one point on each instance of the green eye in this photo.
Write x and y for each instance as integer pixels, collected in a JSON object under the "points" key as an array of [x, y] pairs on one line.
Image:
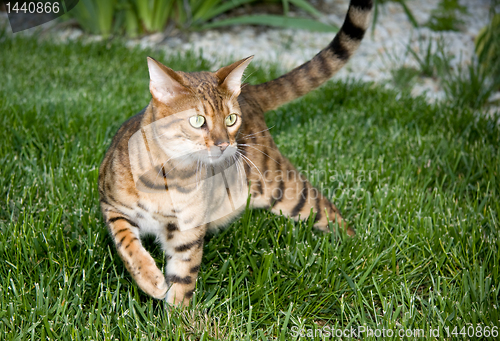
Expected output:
{"points": [[230, 120], [197, 121]]}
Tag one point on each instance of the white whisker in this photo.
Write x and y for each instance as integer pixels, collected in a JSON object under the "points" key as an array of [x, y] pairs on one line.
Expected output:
{"points": [[263, 145], [245, 136], [247, 145], [257, 168]]}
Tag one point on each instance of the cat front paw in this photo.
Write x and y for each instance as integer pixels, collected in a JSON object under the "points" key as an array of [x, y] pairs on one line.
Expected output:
{"points": [[151, 280]]}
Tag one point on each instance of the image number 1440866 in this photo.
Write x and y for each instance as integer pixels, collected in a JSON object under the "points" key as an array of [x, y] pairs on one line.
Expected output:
{"points": [[28, 14]]}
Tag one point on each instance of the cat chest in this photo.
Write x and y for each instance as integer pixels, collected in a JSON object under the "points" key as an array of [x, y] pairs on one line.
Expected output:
{"points": [[212, 200]]}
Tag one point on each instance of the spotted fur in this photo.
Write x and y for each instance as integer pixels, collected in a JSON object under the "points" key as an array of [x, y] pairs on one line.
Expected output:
{"points": [[133, 207]]}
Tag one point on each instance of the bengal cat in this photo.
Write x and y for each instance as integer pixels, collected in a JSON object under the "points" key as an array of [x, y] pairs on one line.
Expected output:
{"points": [[170, 168]]}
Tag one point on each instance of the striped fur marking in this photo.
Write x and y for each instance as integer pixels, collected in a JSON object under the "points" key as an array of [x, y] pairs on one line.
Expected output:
{"points": [[185, 247], [178, 279], [112, 220]]}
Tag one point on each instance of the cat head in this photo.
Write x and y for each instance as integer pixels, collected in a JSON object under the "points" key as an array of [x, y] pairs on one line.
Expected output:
{"points": [[196, 115]]}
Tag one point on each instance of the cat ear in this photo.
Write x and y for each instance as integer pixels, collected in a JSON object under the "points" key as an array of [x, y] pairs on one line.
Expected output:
{"points": [[165, 83], [230, 76]]}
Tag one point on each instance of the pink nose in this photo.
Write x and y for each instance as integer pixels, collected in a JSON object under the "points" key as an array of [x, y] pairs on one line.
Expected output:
{"points": [[222, 146]]}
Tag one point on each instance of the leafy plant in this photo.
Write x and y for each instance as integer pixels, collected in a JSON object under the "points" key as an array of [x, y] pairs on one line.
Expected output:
{"points": [[444, 18], [95, 16], [467, 87], [471, 87], [126, 19], [300, 4], [279, 20], [135, 17], [274, 20], [488, 45], [156, 14], [404, 77], [153, 14], [429, 57], [203, 11]]}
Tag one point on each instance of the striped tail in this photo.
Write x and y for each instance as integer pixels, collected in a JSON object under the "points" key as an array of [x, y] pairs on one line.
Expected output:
{"points": [[319, 69]]}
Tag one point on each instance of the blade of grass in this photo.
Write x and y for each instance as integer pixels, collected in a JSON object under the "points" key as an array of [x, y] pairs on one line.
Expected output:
{"points": [[275, 21], [306, 6]]}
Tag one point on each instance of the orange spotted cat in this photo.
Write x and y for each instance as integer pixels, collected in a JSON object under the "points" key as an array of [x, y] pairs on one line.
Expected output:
{"points": [[188, 162]]}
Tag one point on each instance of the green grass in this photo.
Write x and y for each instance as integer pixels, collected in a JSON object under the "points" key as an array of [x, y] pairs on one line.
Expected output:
{"points": [[419, 183], [470, 85], [404, 77], [445, 16]]}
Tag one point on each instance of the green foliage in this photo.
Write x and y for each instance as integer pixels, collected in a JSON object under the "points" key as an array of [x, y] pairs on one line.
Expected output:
{"points": [[95, 16], [430, 57], [274, 20], [403, 4], [303, 4], [203, 11], [419, 183], [277, 20], [488, 45], [470, 86], [444, 18], [403, 78], [135, 17], [153, 14]]}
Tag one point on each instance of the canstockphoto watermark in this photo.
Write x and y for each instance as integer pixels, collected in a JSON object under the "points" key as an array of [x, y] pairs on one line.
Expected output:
{"points": [[27, 14], [469, 331], [357, 332]]}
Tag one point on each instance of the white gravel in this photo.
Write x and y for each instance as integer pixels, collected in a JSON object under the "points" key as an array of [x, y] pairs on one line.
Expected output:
{"points": [[382, 50]]}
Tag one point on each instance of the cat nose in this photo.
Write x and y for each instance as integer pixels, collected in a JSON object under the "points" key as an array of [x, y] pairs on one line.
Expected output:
{"points": [[222, 145]]}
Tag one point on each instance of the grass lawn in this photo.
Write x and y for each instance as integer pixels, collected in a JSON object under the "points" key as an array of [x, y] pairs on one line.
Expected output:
{"points": [[419, 182]]}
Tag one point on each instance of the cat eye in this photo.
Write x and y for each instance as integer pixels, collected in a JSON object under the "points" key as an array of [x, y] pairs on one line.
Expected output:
{"points": [[231, 120], [197, 121]]}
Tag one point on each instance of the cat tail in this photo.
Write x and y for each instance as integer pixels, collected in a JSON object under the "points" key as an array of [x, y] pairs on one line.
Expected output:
{"points": [[321, 67]]}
